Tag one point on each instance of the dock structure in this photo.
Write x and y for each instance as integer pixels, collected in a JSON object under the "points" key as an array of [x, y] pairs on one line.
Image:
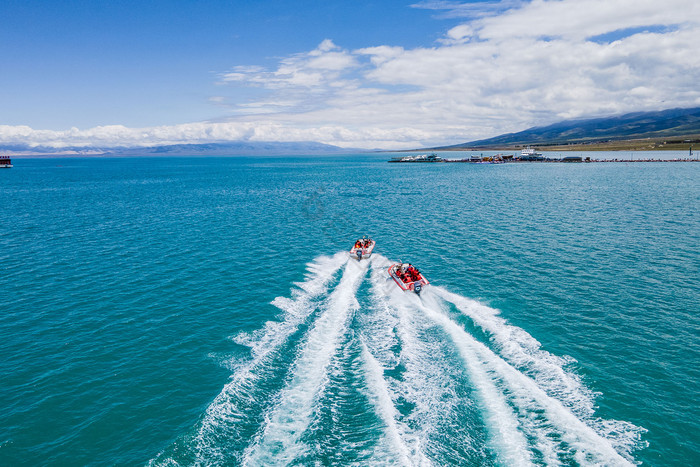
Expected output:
{"points": [[510, 159]]}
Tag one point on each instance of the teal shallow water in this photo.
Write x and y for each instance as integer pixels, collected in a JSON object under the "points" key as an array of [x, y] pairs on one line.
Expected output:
{"points": [[181, 310]]}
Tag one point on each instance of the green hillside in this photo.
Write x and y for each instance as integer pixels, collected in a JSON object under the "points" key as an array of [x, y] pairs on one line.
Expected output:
{"points": [[667, 129]]}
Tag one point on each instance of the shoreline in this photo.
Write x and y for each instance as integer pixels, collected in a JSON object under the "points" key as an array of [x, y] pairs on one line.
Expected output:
{"points": [[547, 161]]}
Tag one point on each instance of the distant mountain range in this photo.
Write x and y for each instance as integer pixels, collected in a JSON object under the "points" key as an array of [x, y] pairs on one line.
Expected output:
{"points": [[666, 129], [674, 124], [238, 148]]}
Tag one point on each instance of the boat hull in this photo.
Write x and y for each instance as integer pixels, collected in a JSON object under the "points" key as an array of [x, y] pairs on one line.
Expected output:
{"points": [[411, 286], [364, 253]]}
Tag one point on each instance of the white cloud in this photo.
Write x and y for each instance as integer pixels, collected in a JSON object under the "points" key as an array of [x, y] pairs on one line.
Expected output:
{"points": [[318, 67], [458, 34], [578, 19], [499, 71], [205, 132], [469, 9]]}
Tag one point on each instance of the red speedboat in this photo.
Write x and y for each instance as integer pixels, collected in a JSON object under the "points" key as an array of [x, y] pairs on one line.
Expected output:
{"points": [[363, 248], [407, 277]]}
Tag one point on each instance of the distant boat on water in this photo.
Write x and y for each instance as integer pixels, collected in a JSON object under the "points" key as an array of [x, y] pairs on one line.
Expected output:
{"points": [[529, 154], [5, 162], [420, 158]]}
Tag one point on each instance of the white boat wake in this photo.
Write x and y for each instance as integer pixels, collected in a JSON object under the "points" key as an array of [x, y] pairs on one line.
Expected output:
{"points": [[278, 443], [435, 394], [222, 419]]}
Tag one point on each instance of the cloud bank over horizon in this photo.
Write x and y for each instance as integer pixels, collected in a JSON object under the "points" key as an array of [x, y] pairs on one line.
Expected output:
{"points": [[508, 66]]}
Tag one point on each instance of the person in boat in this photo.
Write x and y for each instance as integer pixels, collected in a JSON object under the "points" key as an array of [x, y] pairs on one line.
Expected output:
{"points": [[400, 273], [413, 273], [358, 244]]}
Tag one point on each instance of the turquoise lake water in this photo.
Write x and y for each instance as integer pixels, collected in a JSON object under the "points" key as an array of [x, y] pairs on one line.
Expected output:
{"points": [[204, 311]]}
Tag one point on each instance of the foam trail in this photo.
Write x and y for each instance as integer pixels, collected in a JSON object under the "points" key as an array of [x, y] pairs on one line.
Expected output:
{"points": [[522, 350], [528, 422], [420, 380], [591, 448], [385, 406], [279, 441], [428, 394], [380, 325], [229, 405], [392, 326], [296, 309], [508, 440]]}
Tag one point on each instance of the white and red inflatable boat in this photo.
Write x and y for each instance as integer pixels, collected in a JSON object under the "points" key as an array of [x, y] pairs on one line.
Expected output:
{"points": [[363, 248], [407, 277]]}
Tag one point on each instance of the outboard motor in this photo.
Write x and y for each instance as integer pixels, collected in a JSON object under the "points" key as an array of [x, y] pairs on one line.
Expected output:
{"points": [[417, 287], [358, 252]]}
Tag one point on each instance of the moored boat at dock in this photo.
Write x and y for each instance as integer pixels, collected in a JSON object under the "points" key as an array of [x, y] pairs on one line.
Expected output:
{"points": [[529, 154], [418, 158]]}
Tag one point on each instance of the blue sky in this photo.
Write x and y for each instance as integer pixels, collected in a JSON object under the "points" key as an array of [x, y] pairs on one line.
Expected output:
{"points": [[136, 63], [389, 74]]}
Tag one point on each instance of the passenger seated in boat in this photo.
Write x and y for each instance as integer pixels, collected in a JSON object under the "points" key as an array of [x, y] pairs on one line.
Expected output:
{"points": [[413, 273], [358, 244]]}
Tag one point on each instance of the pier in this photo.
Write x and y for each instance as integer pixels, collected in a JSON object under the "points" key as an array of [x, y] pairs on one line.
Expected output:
{"points": [[510, 159]]}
